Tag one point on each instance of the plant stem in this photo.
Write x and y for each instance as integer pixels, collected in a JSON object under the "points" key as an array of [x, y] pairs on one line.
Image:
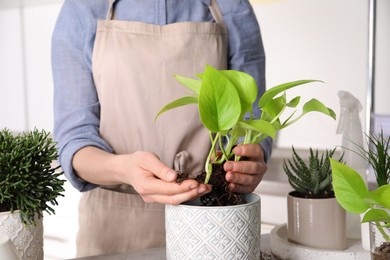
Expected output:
{"points": [[382, 231], [208, 167]]}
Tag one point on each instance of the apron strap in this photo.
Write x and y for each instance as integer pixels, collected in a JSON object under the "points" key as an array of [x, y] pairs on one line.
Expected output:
{"points": [[216, 12], [110, 13]]}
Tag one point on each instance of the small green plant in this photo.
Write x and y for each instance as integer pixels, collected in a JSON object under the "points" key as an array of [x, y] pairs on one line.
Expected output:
{"points": [[28, 182], [226, 99], [353, 195], [312, 179], [378, 156]]}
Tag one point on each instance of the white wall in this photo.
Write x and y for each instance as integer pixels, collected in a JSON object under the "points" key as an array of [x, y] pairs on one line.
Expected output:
{"points": [[26, 83], [12, 103], [325, 40], [382, 77]]}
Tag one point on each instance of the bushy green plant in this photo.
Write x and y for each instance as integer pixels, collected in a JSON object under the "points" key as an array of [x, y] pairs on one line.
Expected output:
{"points": [[28, 181], [353, 195], [378, 156], [226, 99], [312, 179]]}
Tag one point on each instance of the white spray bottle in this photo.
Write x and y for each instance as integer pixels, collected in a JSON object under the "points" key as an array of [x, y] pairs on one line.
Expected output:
{"points": [[352, 137]]}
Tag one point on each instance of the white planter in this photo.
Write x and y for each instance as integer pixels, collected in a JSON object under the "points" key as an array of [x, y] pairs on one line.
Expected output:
{"points": [[27, 240], [201, 232]]}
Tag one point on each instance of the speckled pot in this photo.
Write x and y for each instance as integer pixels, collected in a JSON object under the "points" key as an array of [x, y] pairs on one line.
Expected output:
{"points": [[27, 240], [199, 232], [317, 223]]}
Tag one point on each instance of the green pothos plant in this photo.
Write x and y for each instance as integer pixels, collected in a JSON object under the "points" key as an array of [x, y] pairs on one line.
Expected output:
{"points": [[225, 100], [353, 195]]}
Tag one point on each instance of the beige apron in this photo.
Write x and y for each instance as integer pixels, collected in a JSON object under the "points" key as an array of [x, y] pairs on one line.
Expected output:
{"points": [[133, 64]]}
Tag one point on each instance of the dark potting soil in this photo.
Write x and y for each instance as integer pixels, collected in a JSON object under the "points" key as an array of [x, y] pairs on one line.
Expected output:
{"points": [[5, 207], [312, 196], [220, 194], [382, 252]]}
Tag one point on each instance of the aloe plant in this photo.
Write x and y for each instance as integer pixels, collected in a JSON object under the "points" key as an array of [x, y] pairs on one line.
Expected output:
{"points": [[353, 195], [225, 100], [312, 179]]}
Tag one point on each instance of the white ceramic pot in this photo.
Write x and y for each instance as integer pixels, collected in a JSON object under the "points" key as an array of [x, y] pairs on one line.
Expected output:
{"points": [[27, 240], [317, 223], [203, 232]]}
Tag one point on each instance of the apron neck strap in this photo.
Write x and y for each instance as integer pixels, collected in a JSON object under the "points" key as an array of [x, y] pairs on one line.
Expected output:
{"points": [[110, 13], [216, 12], [214, 9]]}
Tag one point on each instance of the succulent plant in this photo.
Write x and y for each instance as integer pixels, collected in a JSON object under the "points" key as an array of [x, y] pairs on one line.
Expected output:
{"points": [[312, 179], [29, 182]]}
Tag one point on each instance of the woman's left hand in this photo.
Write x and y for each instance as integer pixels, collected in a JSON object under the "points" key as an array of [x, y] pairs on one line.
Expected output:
{"points": [[244, 176]]}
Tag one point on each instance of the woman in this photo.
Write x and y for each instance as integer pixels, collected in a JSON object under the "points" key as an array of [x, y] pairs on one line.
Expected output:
{"points": [[113, 63]]}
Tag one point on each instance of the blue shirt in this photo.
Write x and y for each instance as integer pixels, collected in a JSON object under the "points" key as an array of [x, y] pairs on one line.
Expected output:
{"points": [[76, 106]]}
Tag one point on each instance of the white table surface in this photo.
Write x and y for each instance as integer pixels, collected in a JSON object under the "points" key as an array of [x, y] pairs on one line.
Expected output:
{"points": [[159, 253]]}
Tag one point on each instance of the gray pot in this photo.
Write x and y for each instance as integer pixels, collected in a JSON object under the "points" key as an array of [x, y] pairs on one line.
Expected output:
{"points": [[200, 232], [317, 223]]}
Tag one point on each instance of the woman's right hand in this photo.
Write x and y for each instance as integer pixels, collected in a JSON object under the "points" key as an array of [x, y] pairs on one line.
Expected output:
{"points": [[150, 177], [155, 181]]}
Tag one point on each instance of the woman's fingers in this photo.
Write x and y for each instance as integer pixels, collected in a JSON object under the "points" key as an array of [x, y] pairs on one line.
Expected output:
{"points": [[245, 175], [176, 199]]}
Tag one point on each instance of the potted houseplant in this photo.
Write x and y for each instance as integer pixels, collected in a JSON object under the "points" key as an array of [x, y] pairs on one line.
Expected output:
{"points": [[353, 194], [315, 219], [29, 185], [225, 99]]}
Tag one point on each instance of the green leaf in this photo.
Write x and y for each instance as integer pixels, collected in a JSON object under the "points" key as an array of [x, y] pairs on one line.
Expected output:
{"points": [[315, 105], [260, 126], [294, 102], [246, 87], [376, 215], [177, 103], [273, 108], [349, 188], [219, 102], [272, 92], [190, 83], [381, 196]]}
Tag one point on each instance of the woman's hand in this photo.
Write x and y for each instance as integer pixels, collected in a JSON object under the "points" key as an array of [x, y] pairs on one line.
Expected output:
{"points": [[245, 175], [155, 181], [151, 178]]}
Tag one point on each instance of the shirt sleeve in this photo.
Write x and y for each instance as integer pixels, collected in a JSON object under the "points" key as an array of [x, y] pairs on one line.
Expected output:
{"points": [[246, 50], [76, 106]]}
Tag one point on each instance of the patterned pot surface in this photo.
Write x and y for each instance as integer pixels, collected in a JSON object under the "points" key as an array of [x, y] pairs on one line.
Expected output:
{"points": [[200, 232], [28, 240]]}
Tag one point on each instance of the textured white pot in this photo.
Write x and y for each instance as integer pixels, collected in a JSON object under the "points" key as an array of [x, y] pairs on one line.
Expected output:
{"points": [[317, 223], [201, 232], [27, 240], [7, 249]]}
